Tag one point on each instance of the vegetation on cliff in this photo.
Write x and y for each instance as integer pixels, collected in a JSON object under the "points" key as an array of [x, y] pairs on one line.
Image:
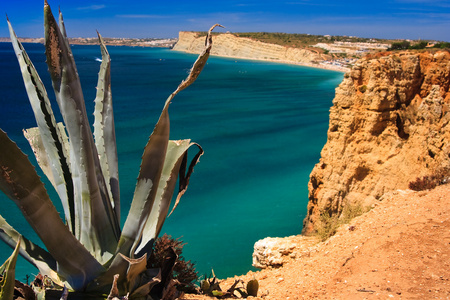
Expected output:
{"points": [[300, 39]]}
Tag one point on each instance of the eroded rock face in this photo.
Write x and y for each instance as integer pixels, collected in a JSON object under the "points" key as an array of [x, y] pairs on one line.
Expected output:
{"points": [[274, 252], [389, 124], [232, 46]]}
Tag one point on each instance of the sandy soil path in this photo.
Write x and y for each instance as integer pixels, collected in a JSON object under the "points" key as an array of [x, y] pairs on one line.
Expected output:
{"points": [[398, 250]]}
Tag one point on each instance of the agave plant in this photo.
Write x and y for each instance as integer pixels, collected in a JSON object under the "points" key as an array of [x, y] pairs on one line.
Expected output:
{"points": [[87, 250], [7, 273]]}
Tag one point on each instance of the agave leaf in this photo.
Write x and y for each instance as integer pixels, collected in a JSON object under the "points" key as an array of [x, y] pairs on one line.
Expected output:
{"points": [[114, 293], [34, 254], [62, 27], [174, 164], [96, 227], [136, 267], [131, 274], [53, 151], [129, 271], [199, 63], [8, 270], [184, 177], [152, 164], [148, 279], [20, 182], [104, 133], [146, 187], [34, 138]]}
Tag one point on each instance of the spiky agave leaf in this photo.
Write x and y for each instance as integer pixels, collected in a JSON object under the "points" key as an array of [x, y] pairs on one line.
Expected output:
{"points": [[8, 270], [53, 153], [199, 63], [174, 166], [34, 254], [104, 132], [152, 165], [133, 276], [96, 222], [20, 182], [96, 225]]}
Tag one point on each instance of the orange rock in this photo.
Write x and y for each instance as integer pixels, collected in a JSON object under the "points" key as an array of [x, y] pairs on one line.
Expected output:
{"points": [[389, 124]]}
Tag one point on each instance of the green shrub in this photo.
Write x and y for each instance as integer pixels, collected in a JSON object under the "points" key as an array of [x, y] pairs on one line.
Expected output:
{"points": [[420, 45], [328, 225], [329, 222], [400, 45]]}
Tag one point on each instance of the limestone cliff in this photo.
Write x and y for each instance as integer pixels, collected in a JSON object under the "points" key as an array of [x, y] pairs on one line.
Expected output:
{"points": [[231, 46], [389, 124]]}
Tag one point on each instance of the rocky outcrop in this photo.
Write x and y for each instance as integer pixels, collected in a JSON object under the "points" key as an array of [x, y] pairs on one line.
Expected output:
{"points": [[229, 45], [274, 252], [389, 124]]}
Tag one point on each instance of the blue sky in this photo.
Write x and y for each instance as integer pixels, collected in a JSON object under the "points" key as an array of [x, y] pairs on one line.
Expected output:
{"points": [[412, 19]]}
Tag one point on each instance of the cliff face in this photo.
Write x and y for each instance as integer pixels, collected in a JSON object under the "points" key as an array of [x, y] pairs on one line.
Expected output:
{"points": [[232, 46], [389, 124]]}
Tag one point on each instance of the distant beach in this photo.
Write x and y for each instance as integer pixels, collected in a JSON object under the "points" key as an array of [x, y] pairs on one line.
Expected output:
{"points": [[326, 65]]}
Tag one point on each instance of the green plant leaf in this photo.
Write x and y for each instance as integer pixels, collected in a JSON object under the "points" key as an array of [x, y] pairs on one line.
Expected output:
{"points": [[53, 153], [153, 163], [185, 176], [174, 167], [34, 254], [148, 279], [20, 182], [199, 63], [96, 227], [133, 276], [128, 270], [62, 28], [104, 132], [8, 270]]}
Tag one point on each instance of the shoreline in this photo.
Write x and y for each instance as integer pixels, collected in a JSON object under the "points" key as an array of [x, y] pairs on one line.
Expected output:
{"points": [[320, 65], [287, 62]]}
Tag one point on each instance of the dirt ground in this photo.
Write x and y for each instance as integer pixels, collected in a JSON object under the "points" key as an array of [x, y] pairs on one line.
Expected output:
{"points": [[398, 250]]}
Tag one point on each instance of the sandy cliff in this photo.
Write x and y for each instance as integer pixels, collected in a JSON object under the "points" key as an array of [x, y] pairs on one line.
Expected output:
{"points": [[229, 45], [389, 124]]}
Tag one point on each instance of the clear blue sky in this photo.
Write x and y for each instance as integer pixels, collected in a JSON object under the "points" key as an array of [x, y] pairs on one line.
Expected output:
{"points": [[413, 19]]}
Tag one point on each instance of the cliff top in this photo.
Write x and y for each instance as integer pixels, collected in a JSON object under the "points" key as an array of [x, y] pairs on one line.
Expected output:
{"points": [[303, 39], [400, 249]]}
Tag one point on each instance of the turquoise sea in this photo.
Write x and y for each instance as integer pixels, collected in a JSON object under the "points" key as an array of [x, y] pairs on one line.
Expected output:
{"points": [[262, 126]]}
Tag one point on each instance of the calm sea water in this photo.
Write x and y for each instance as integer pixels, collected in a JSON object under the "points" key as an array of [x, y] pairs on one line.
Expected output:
{"points": [[262, 126]]}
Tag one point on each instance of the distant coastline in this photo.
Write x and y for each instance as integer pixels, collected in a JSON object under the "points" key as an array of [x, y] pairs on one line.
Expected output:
{"points": [[170, 43], [337, 53], [233, 46], [148, 42]]}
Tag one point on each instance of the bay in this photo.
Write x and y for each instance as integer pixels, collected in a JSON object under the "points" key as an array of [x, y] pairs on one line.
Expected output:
{"points": [[262, 126]]}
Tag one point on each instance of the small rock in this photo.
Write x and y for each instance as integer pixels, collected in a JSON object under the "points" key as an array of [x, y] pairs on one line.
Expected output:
{"points": [[280, 279]]}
